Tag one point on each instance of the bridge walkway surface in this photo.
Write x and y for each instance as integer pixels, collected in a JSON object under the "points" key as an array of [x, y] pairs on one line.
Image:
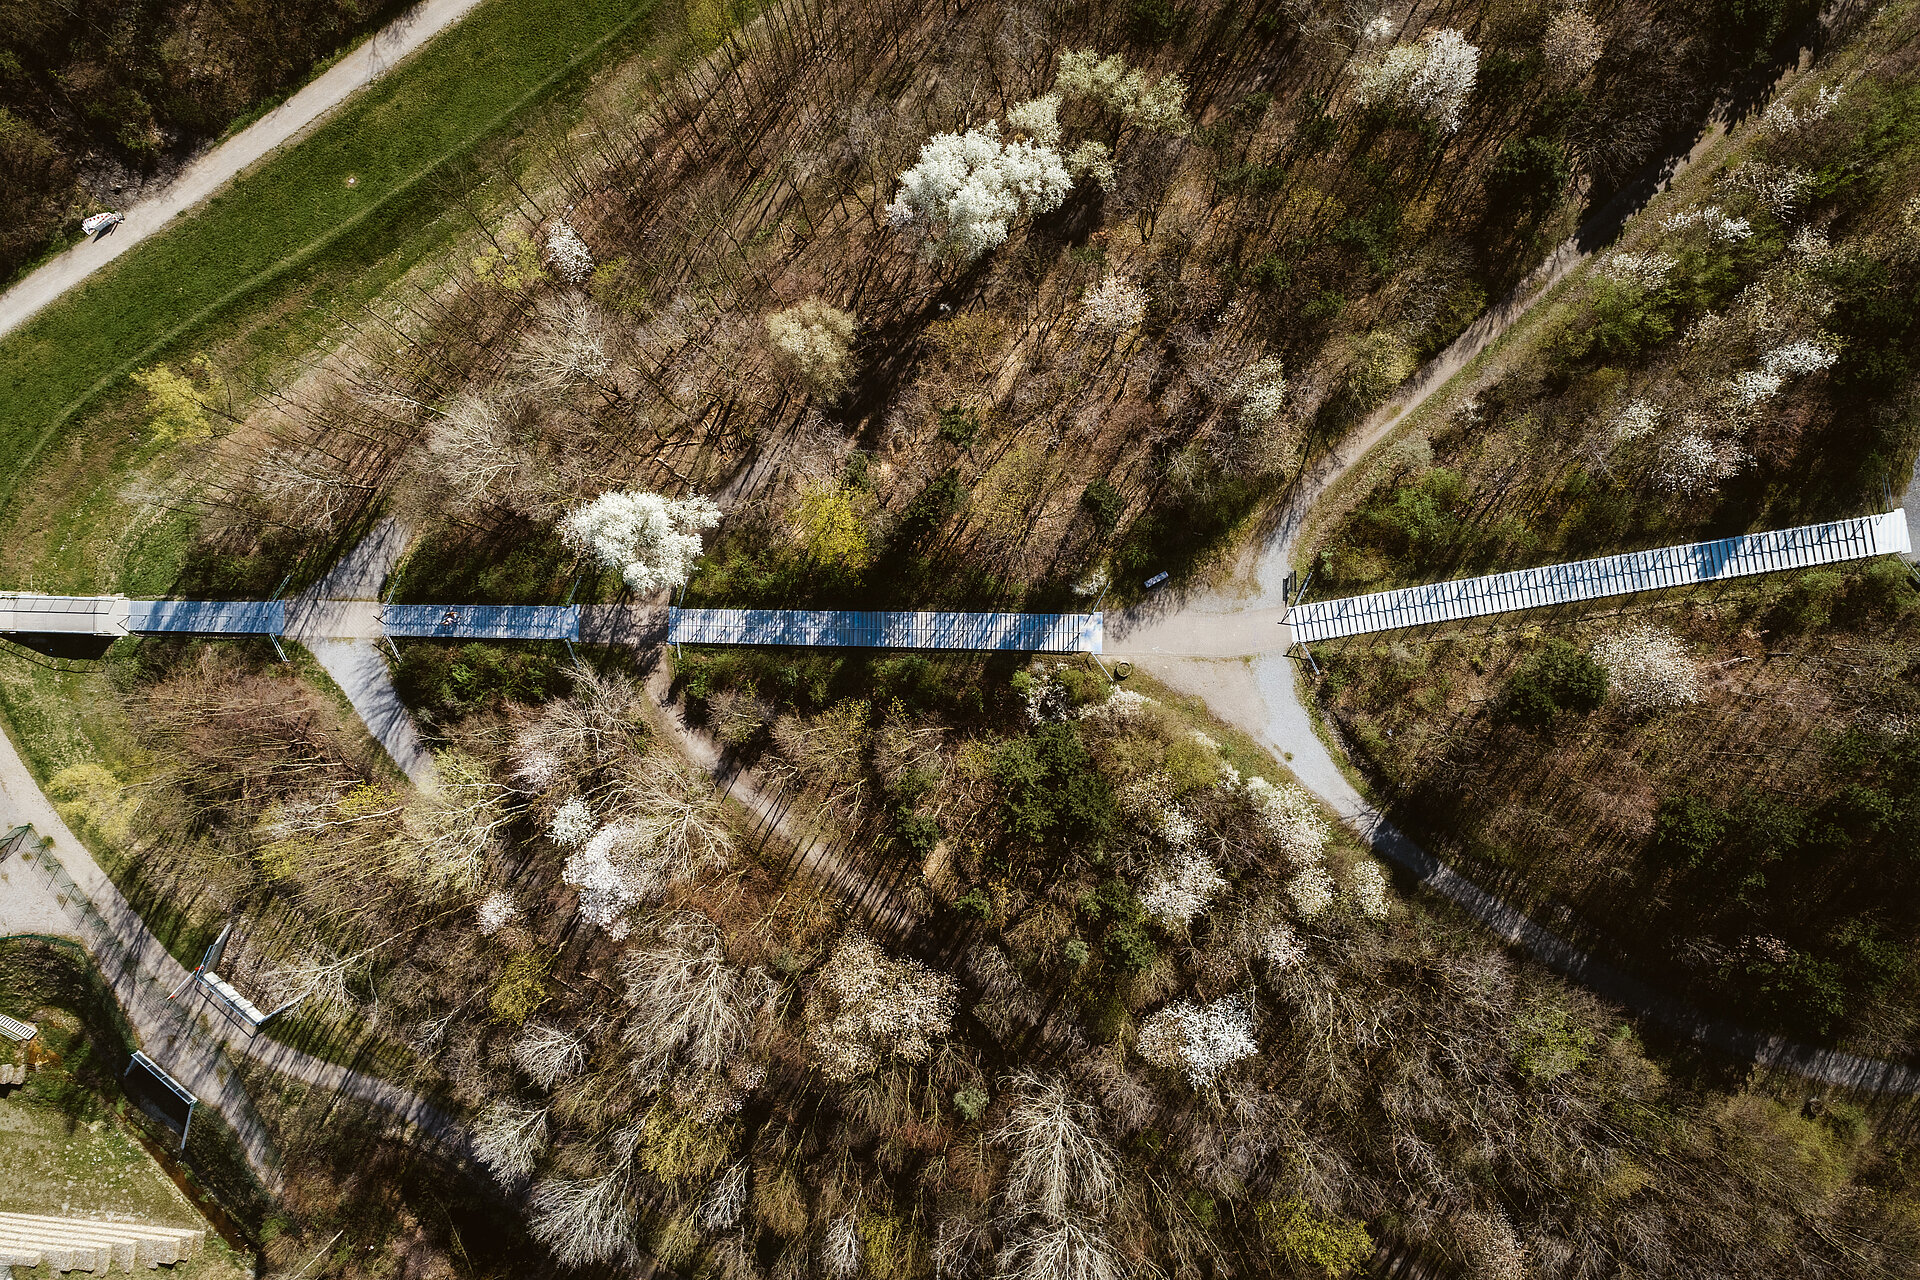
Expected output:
{"points": [[1803, 547]]}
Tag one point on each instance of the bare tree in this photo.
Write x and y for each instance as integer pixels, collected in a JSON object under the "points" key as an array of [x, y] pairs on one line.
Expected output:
{"points": [[510, 1139], [1064, 1250], [689, 1005], [547, 1054], [1058, 1160], [586, 1220]]}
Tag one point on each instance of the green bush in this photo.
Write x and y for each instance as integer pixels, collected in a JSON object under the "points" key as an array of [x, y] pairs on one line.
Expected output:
{"points": [[1335, 1246], [970, 1102], [443, 681], [1558, 678], [1049, 787], [959, 427], [1686, 831], [1103, 504], [1529, 176], [917, 833]]}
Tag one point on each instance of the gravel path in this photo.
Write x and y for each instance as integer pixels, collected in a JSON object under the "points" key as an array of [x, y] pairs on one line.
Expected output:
{"points": [[1226, 651], [207, 173]]}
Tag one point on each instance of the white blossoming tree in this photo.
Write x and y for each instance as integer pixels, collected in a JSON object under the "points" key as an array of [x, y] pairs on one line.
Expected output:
{"points": [[863, 1007], [1571, 47], [1367, 891], [1177, 892], [1116, 305], [652, 540], [1433, 77], [567, 253], [572, 824], [813, 339], [1649, 668], [971, 187], [1124, 90], [495, 912], [1261, 390], [1200, 1041]]}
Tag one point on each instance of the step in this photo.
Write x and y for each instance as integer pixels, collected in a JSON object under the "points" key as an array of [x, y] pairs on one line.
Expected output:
{"points": [[93, 1245]]}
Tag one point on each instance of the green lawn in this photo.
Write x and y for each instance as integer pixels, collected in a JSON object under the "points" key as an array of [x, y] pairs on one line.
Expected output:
{"points": [[273, 259]]}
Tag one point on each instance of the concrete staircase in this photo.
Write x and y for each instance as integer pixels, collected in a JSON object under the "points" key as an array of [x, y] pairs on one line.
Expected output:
{"points": [[83, 1244]]}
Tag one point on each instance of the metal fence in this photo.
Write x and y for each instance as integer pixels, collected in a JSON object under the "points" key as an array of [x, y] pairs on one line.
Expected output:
{"points": [[1803, 547], [1016, 632]]}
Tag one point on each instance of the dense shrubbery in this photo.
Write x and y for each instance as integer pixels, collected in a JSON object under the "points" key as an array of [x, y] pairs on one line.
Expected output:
{"points": [[1558, 678]]}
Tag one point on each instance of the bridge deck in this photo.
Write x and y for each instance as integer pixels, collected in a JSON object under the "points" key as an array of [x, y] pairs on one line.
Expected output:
{"points": [[482, 621], [208, 617], [1015, 632], [1798, 548]]}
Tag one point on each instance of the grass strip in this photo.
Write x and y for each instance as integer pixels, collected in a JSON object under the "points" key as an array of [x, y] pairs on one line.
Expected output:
{"points": [[295, 215]]}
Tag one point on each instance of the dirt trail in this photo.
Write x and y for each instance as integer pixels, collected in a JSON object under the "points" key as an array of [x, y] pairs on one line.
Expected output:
{"points": [[207, 173]]}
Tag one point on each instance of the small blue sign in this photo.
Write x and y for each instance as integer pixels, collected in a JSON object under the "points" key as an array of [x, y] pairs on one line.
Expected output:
{"points": [[1158, 578]]}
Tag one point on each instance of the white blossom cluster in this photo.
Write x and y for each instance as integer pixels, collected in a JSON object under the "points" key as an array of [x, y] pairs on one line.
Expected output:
{"points": [[1783, 117], [652, 540], [1717, 223], [1048, 701], [1181, 889], [1261, 390], [1750, 387], [1160, 106], [864, 1006], [1571, 47], [1038, 119], [814, 339], [1310, 889], [607, 889], [1492, 1249], [1799, 357], [1643, 271], [1649, 667], [1434, 77], [1692, 463], [1811, 244], [1123, 706], [1150, 799], [1781, 191], [495, 912], [1200, 1041], [1368, 892], [1281, 947], [1094, 159], [1635, 420], [1290, 816], [972, 186], [572, 823], [1115, 306], [1379, 27], [567, 253]]}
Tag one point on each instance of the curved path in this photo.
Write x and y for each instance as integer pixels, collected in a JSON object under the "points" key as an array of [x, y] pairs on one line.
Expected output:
{"points": [[189, 1041], [1225, 650], [208, 172]]}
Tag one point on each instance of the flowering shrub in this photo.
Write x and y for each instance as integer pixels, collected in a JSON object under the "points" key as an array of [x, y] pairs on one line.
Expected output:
{"points": [[1800, 357], [1290, 816], [607, 889], [1200, 1041], [1368, 892], [972, 186], [1092, 158], [652, 540], [1262, 390], [567, 253], [1117, 305], [1571, 47], [813, 339], [1650, 668], [495, 911], [1636, 419], [1780, 191], [1691, 463], [1433, 78], [572, 823], [1125, 92], [1718, 225], [1643, 271], [1282, 948], [1038, 119], [864, 1006], [1783, 117], [1181, 890], [1310, 889]]}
